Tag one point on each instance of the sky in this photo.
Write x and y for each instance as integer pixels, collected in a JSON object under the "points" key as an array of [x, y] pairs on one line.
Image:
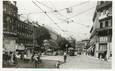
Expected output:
{"points": [[81, 15]]}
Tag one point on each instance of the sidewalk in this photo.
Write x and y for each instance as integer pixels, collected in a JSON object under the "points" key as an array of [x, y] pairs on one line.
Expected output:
{"points": [[109, 60]]}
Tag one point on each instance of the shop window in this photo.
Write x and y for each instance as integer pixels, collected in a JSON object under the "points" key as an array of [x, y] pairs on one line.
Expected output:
{"points": [[103, 47], [8, 19], [101, 25], [110, 23]]}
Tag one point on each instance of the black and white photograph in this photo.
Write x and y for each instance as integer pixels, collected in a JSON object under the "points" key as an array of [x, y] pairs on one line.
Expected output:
{"points": [[54, 34]]}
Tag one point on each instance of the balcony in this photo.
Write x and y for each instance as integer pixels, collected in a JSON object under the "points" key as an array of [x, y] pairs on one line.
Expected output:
{"points": [[96, 31], [105, 28], [9, 33], [102, 17]]}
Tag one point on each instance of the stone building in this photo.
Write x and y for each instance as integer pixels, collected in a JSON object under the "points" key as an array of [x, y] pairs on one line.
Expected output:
{"points": [[10, 14], [17, 34], [101, 31]]}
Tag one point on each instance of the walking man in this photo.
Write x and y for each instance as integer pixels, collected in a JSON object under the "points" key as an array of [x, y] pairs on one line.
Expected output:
{"points": [[65, 56], [35, 60]]}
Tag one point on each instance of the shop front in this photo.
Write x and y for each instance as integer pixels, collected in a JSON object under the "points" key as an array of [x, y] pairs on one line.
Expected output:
{"points": [[9, 44], [102, 50]]}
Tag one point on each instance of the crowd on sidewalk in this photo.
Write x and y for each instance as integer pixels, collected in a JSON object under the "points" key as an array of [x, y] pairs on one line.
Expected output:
{"points": [[13, 58]]}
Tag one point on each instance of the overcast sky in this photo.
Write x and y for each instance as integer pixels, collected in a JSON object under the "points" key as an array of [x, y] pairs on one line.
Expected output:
{"points": [[82, 14]]}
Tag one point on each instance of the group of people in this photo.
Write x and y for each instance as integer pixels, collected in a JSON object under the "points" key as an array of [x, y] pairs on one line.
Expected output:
{"points": [[13, 58], [10, 58]]}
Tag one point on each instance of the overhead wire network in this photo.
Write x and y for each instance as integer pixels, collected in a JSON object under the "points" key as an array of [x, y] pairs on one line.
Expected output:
{"points": [[66, 7], [77, 15], [65, 18], [58, 12], [47, 15]]}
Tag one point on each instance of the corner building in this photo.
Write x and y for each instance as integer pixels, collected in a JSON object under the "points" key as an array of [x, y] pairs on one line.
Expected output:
{"points": [[101, 31], [10, 14]]}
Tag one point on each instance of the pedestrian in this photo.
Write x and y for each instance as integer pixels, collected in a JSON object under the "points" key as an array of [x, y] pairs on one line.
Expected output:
{"points": [[5, 58], [25, 56], [65, 57], [38, 57], [22, 56], [11, 59], [35, 60], [8, 58], [58, 64], [32, 57], [105, 53], [15, 59]]}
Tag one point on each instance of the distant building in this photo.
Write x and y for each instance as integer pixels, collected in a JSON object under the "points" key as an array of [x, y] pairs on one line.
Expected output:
{"points": [[80, 47], [86, 43], [101, 31]]}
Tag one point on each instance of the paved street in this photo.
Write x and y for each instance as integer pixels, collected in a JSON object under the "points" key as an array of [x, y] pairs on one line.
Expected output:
{"points": [[77, 62], [47, 62], [57, 58], [86, 62], [44, 64]]}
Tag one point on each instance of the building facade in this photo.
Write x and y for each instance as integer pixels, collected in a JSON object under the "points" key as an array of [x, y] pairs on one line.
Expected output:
{"points": [[17, 34], [10, 13], [101, 31]]}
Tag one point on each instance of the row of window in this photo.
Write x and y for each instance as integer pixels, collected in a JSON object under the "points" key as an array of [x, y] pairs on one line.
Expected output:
{"points": [[102, 2], [25, 41], [22, 30], [9, 24], [10, 9], [24, 27], [106, 11], [24, 34], [107, 23]]}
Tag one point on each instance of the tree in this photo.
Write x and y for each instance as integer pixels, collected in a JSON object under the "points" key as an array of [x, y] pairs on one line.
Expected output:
{"points": [[62, 42], [42, 34]]}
